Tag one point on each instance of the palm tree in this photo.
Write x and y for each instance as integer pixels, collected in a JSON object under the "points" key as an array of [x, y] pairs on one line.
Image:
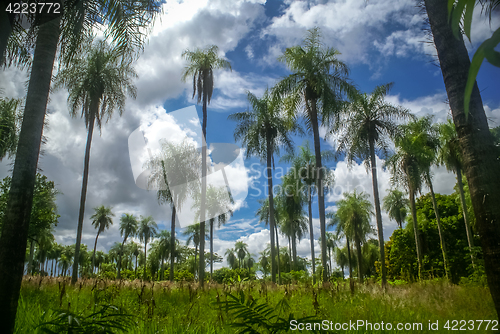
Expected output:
{"points": [[366, 126], [231, 257], [396, 205], [179, 164], [315, 88], [201, 65], [450, 156], [341, 258], [134, 250], [193, 234], [98, 83], [304, 164], [8, 126], [163, 249], [331, 244], [407, 166], [147, 231], [241, 250], [353, 219], [128, 228], [263, 129], [480, 157], [101, 220], [125, 26]]}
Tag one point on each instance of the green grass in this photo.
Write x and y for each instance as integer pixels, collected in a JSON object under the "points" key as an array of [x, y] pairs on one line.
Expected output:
{"points": [[184, 308]]}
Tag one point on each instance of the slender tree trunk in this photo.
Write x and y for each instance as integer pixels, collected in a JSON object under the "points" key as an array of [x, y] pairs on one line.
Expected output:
{"points": [[378, 214], [136, 266], [416, 231], [195, 256], [15, 225], [321, 195], [360, 260], [330, 258], [203, 180], [478, 150], [349, 259], [119, 264], [290, 252], [438, 220], [272, 226], [29, 270], [278, 248], [470, 238], [95, 246], [211, 248], [311, 234], [145, 259], [83, 197], [294, 250], [172, 245]]}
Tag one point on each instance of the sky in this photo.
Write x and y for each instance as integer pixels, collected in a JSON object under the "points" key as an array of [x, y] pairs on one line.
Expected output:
{"points": [[381, 41]]}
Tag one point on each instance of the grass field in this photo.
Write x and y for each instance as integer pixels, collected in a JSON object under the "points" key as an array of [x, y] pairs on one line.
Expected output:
{"points": [[183, 308]]}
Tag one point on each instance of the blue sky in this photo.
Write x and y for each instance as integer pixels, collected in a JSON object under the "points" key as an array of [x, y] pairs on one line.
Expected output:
{"points": [[381, 41]]}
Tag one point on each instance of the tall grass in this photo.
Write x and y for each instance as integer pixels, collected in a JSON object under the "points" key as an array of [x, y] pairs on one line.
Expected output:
{"points": [[185, 308]]}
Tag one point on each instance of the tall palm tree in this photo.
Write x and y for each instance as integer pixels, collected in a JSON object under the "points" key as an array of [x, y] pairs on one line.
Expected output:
{"points": [[315, 88], [407, 166], [179, 163], [241, 250], [263, 129], [193, 234], [367, 125], [451, 157], [396, 204], [124, 24], [147, 231], [101, 220], [353, 218], [480, 157], [98, 83], [128, 228], [201, 64]]}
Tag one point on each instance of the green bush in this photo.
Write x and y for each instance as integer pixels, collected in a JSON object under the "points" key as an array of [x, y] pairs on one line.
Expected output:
{"points": [[229, 276]]}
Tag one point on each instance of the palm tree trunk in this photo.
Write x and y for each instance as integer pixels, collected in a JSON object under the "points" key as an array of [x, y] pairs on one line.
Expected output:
{"points": [[470, 238], [272, 226], [416, 231], [195, 256], [145, 259], [321, 195], [330, 258], [119, 264], [201, 273], [294, 250], [360, 260], [29, 269], [278, 248], [378, 213], [211, 248], [94, 110], [311, 235], [136, 266], [172, 245], [349, 257], [290, 252], [15, 225], [478, 151], [95, 246], [438, 220]]}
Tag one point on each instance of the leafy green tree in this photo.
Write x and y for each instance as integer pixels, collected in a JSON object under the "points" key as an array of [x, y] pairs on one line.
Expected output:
{"points": [[9, 120], [147, 231], [315, 88], [128, 228], [353, 220], [201, 64], [396, 206], [367, 125], [263, 131], [98, 82], [474, 138], [101, 220], [231, 257]]}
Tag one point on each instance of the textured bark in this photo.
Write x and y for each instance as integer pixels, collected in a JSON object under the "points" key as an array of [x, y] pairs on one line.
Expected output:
{"points": [[311, 235], [272, 226], [470, 239], [378, 214], [321, 195], [15, 226], [440, 230], [83, 196], [172, 245], [479, 156]]}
